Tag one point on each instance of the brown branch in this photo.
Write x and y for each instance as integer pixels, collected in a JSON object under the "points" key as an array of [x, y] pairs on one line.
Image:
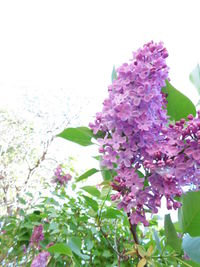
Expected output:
{"points": [[133, 229]]}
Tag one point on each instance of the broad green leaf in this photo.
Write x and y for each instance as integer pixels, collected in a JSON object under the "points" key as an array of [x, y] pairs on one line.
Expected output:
{"points": [[177, 227], [76, 241], [114, 74], [75, 245], [91, 203], [171, 235], [195, 77], [191, 246], [87, 174], [111, 213], [60, 248], [179, 106], [106, 174], [189, 213], [89, 244], [79, 135], [92, 190]]}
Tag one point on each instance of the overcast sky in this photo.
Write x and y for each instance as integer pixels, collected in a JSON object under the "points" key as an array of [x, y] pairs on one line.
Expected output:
{"points": [[48, 45]]}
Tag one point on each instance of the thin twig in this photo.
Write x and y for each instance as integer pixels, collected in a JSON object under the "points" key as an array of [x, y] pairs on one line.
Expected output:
{"points": [[116, 245], [133, 229]]}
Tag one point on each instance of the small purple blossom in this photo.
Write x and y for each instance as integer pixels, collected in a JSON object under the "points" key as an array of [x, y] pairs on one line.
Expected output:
{"points": [[37, 236], [60, 177], [41, 259]]}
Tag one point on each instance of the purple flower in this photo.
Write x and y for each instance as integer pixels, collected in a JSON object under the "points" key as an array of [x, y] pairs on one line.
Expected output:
{"points": [[132, 118], [123, 111], [60, 177], [37, 236], [41, 259]]}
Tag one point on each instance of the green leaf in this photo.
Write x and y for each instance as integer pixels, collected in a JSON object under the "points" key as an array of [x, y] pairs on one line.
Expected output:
{"points": [[111, 213], [140, 174], [195, 77], [92, 190], [60, 248], [98, 157], [79, 135], [171, 235], [89, 244], [75, 245], [76, 242], [106, 174], [189, 213], [91, 203], [179, 106], [99, 134], [114, 74], [87, 174], [191, 246], [177, 227]]}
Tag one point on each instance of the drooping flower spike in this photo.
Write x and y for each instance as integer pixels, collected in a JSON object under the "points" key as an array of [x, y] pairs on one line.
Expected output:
{"points": [[134, 120]]}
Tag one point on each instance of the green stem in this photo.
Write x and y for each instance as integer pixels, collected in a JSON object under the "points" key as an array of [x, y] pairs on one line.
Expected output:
{"points": [[186, 264], [101, 208]]}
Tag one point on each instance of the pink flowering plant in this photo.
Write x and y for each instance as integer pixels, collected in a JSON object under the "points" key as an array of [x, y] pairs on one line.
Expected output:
{"points": [[148, 141]]}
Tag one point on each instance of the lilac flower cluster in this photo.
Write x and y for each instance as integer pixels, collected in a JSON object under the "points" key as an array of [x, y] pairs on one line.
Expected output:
{"points": [[37, 236], [176, 161], [60, 177], [41, 259], [136, 137]]}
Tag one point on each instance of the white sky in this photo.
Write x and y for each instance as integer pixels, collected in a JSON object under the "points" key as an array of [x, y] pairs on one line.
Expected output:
{"points": [[48, 45]]}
